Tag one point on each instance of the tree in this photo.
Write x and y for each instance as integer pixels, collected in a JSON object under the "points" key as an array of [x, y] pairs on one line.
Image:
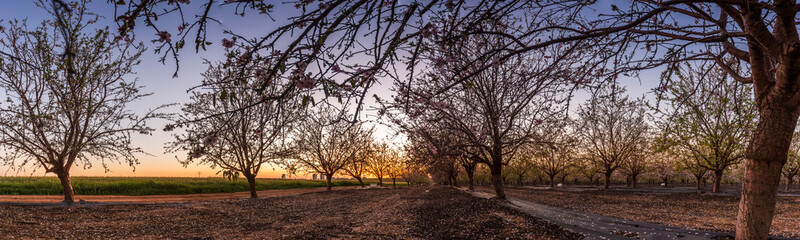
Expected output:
{"points": [[323, 142], [558, 155], [357, 167], [664, 166], [688, 164], [587, 168], [470, 164], [500, 109], [760, 37], [520, 167], [792, 167], [612, 127], [396, 168], [245, 140], [637, 164], [379, 165], [710, 117], [64, 110]]}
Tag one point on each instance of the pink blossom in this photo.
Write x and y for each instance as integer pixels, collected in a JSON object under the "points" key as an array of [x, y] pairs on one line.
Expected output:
{"points": [[306, 82], [228, 43], [164, 36], [336, 68]]}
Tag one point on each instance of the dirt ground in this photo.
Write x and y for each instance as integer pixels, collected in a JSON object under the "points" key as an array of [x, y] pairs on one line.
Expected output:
{"points": [[159, 198], [406, 213], [698, 211]]}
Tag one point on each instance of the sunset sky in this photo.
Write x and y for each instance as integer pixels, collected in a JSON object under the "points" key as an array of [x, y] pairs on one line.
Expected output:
{"points": [[157, 78]]}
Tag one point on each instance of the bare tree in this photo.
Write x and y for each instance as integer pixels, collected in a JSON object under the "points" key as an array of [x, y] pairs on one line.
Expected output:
{"points": [[396, 167], [470, 164], [500, 109], [358, 166], [323, 142], [638, 164], [245, 140], [64, 110], [612, 127], [710, 116], [588, 169], [380, 164], [759, 36], [558, 155], [521, 167]]}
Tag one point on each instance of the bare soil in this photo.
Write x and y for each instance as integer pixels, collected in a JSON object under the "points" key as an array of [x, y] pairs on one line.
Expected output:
{"points": [[405, 213], [697, 211]]}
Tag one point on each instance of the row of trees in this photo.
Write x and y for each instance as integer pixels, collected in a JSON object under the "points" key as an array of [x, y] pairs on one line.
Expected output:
{"points": [[752, 42], [64, 110]]}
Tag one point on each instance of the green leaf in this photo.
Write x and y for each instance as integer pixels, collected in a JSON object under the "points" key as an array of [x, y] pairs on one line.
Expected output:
{"points": [[307, 100]]}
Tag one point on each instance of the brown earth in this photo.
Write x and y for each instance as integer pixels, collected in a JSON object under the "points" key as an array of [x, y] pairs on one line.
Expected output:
{"points": [[405, 213], [697, 211]]}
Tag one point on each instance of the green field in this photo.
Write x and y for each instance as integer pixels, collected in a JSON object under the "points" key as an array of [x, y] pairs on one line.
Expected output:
{"points": [[152, 185]]}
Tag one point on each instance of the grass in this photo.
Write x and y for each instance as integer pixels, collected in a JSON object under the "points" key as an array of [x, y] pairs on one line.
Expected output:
{"points": [[137, 186]]}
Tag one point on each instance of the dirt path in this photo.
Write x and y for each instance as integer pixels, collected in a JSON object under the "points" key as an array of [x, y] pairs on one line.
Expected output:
{"points": [[150, 199], [601, 227]]}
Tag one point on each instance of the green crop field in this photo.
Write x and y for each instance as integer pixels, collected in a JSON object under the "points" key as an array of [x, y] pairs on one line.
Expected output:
{"points": [[153, 185]]}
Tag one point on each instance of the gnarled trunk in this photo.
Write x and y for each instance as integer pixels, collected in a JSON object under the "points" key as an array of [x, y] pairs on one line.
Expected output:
{"points": [[66, 186], [765, 157], [251, 182]]}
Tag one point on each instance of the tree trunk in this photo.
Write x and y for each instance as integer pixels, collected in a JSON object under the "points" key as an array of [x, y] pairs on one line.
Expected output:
{"points": [[699, 179], [666, 181], [329, 177], [788, 183], [765, 157], [471, 179], [66, 186], [717, 180], [552, 181], [360, 181], [634, 179], [251, 181], [607, 180], [380, 181], [394, 182], [497, 180]]}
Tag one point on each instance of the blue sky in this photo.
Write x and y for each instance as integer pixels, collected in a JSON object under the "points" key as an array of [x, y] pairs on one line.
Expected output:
{"points": [[157, 78]]}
